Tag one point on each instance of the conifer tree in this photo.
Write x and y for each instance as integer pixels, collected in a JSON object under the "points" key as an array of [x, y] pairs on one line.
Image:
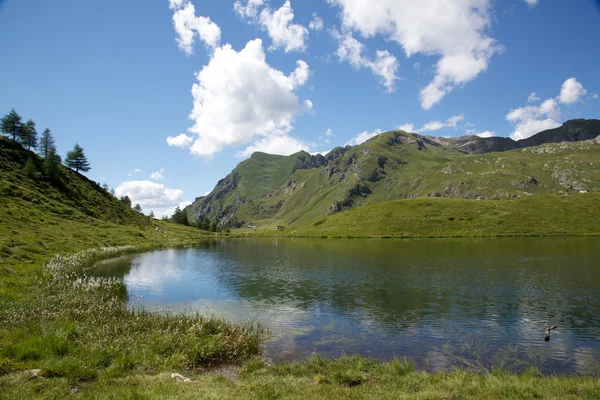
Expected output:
{"points": [[46, 142], [51, 163], [138, 208], [76, 159], [11, 124], [151, 215], [28, 135]]}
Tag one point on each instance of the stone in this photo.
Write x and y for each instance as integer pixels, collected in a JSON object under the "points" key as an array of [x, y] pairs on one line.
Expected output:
{"points": [[180, 378]]}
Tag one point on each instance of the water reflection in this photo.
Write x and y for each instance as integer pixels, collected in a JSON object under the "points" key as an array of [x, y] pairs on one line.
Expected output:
{"points": [[474, 303]]}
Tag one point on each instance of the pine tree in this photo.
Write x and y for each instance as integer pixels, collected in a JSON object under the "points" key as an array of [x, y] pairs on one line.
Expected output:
{"points": [[11, 124], [28, 135], [76, 159], [151, 215], [138, 208], [46, 142], [180, 217], [30, 170], [51, 163], [126, 200]]}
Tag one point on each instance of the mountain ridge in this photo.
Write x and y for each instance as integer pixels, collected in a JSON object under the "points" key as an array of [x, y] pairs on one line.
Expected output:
{"points": [[397, 165]]}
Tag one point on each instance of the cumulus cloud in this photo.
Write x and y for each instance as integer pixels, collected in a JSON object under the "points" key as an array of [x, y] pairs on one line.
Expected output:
{"points": [[433, 126], [383, 66], [363, 137], [533, 97], [530, 120], [152, 196], [455, 30], [595, 96], [277, 23], [532, 3], [182, 140], [157, 175], [407, 128], [239, 98], [316, 24], [188, 27], [571, 92], [285, 34], [135, 171], [283, 145], [486, 134], [329, 132], [248, 11]]}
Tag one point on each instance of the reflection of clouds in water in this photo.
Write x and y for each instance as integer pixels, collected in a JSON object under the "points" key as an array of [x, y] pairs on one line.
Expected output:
{"points": [[150, 271], [476, 307]]}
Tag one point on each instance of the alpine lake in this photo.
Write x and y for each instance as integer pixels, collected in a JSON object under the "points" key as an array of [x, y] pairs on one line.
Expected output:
{"points": [[471, 303]]}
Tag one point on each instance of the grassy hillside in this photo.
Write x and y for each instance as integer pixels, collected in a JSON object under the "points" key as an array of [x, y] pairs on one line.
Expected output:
{"points": [[74, 327], [290, 191], [250, 180], [573, 214]]}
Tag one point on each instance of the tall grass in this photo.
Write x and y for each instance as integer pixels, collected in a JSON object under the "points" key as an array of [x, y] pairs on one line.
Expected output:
{"points": [[79, 327]]}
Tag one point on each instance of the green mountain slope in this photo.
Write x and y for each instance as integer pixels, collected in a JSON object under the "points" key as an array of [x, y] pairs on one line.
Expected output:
{"points": [[288, 191], [558, 214], [39, 218]]}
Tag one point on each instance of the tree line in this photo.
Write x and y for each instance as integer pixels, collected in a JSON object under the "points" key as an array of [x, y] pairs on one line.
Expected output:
{"points": [[26, 134]]}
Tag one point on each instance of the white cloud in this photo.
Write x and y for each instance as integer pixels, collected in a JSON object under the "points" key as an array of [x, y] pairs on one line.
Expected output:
{"points": [[282, 145], [455, 30], [316, 24], [176, 4], [157, 174], [135, 171], [407, 128], [278, 24], [363, 137], [151, 196], [595, 96], [530, 120], [454, 120], [384, 66], [571, 92], [433, 126], [248, 12], [188, 27], [329, 133], [532, 3], [240, 98], [308, 105], [182, 140], [486, 134], [533, 97]]}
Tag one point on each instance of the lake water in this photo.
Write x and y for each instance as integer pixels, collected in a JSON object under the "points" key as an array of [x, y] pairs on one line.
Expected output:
{"points": [[474, 303]]}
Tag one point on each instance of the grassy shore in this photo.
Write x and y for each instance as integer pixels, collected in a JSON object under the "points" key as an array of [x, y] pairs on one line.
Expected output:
{"points": [[87, 344]]}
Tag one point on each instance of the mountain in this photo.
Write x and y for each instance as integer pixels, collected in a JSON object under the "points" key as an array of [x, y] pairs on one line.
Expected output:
{"points": [[269, 190]]}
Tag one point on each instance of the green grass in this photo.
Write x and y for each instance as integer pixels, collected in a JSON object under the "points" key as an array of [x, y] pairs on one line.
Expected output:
{"points": [[79, 332], [55, 317], [315, 378], [575, 214]]}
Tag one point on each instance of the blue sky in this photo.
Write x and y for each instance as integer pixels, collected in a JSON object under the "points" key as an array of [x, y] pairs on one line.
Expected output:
{"points": [[121, 78]]}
